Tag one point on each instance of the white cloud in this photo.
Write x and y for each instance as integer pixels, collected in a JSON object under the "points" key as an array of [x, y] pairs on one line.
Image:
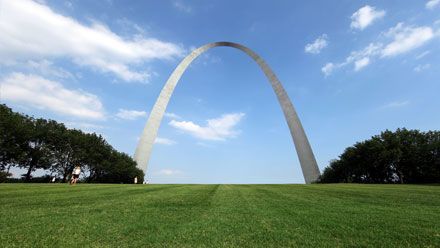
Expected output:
{"points": [[421, 55], [130, 114], [203, 144], [401, 39], [432, 4], [32, 31], [406, 38], [360, 59], [372, 49], [84, 126], [172, 115], [47, 68], [420, 68], [68, 4], [128, 26], [316, 47], [36, 91], [168, 172], [328, 68], [164, 141], [182, 7], [361, 63], [216, 129], [365, 16], [363, 57], [396, 104]]}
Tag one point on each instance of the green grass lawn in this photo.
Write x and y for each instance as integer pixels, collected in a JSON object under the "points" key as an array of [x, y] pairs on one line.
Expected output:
{"points": [[41, 215]]}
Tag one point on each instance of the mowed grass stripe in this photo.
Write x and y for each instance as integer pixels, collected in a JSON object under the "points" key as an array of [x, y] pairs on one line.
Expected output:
{"points": [[101, 209], [367, 212], [219, 215]]}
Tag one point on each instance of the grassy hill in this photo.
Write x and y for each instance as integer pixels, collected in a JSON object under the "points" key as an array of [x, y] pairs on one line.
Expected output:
{"points": [[36, 215]]}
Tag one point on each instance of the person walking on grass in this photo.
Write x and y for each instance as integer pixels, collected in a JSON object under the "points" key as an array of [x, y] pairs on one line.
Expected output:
{"points": [[75, 175]]}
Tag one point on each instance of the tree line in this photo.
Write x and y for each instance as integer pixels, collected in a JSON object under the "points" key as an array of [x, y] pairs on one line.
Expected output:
{"points": [[403, 156], [35, 143]]}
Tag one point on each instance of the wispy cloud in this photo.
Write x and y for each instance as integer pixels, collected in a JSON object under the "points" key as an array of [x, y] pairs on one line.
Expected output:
{"points": [[406, 38], [68, 4], [84, 126], [365, 16], [172, 115], [164, 141], [328, 68], [129, 26], [182, 6], [168, 172], [220, 128], [421, 55], [396, 104], [36, 91], [360, 59], [44, 34], [432, 4], [47, 68], [130, 114], [400, 39], [361, 63], [420, 68], [204, 144], [316, 46]]}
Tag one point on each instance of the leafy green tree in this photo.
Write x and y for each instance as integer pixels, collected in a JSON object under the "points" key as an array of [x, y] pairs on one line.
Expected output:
{"points": [[46, 144], [403, 156], [37, 153], [67, 150], [12, 136], [97, 158], [120, 169], [107, 165], [4, 176]]}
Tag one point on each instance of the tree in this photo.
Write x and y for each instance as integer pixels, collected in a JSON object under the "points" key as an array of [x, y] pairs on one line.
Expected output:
{"points": [[106, 165], [67, 150], [12, 130], [33, 144], [36, 150], [404, 156], [97, 158]]}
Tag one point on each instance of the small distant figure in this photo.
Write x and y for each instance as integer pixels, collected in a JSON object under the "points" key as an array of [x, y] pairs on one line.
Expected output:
{"points": [[135, 180], [53, 179], [75, 175]]}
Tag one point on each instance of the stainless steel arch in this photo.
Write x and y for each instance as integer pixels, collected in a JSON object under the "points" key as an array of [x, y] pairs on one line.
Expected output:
{"points": [[305, 154]]}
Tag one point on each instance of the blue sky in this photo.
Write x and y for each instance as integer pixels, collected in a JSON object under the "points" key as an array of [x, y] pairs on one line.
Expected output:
{"points": [[351, 69]]}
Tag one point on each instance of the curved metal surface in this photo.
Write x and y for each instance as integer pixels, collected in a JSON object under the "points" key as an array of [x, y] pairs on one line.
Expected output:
{"points": [[305, 154]]}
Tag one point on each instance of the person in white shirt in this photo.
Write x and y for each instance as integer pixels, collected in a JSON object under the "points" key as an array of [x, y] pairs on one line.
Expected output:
{"points": [[75, 175]]}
